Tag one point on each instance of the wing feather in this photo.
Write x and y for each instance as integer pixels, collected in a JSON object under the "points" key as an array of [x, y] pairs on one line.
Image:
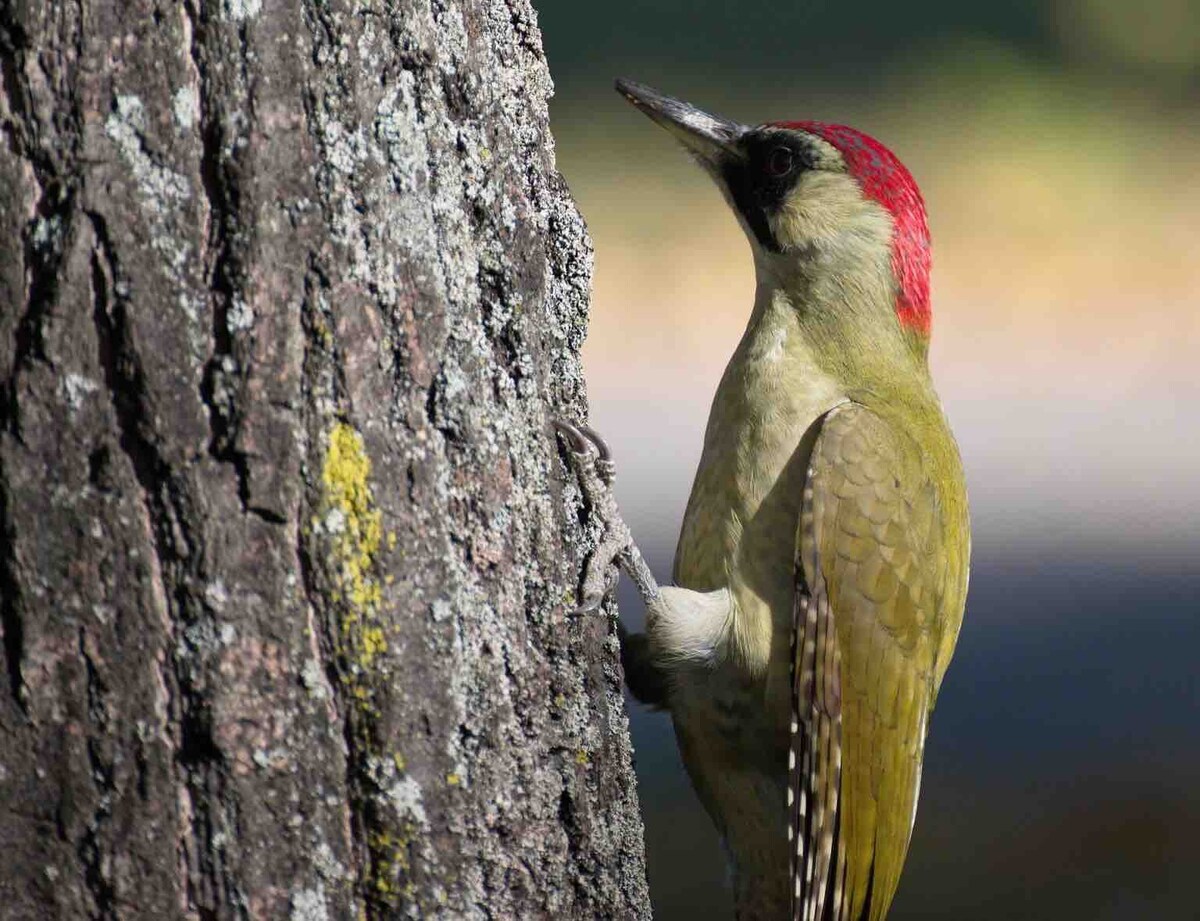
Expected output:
{"points": [[880, 580]]}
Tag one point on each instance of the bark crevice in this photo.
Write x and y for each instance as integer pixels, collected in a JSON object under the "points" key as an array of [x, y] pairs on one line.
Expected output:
{"points": [[227, 240], [90, 850], [43, 241], [11, 621], [179, 561]]}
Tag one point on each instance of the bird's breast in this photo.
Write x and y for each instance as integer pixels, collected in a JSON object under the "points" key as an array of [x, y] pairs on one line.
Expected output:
{"points": [[740, 527]]}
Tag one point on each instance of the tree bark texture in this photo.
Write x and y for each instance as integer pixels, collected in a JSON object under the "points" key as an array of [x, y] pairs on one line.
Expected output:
{"points": [[289, 290]]}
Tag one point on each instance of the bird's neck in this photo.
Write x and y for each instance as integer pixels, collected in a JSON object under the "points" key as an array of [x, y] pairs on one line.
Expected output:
{"points": [[842, 301]]}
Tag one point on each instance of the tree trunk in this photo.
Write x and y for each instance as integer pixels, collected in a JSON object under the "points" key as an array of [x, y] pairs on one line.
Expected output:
{"points": [[289, 290]]}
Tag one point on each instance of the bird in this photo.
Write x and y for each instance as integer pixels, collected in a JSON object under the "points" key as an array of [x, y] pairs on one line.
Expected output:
{"points": [[821, 572]]}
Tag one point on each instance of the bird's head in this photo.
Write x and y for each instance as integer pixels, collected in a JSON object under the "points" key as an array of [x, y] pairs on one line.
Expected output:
{"points": [[810, 194]]}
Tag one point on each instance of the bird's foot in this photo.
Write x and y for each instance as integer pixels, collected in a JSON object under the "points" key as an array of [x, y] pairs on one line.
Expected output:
{"points": [[591, 460]]}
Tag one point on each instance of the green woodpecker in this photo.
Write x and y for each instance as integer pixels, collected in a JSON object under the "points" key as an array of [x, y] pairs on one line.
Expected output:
{"points": [[821, 571]]}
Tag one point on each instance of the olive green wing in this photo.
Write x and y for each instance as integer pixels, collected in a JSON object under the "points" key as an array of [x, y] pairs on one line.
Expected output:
{"points": [[881, 580]]}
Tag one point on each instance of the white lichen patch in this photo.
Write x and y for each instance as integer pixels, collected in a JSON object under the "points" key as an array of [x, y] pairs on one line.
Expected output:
{"points": [[241, 10], [313, 681], [240, 316], [271, 759], [335, 521], [327, 864], [309, 904], [185, 106], [127, 127], [75, 387], [165, 195], [405, 795], [216, 595], [189, 303]]}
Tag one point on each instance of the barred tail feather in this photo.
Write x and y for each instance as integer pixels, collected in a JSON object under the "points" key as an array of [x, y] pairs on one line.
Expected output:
{"points": [[818, 860]]}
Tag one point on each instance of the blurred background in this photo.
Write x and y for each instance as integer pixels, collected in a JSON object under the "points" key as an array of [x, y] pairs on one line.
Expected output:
{"points": [[1058, 147]]}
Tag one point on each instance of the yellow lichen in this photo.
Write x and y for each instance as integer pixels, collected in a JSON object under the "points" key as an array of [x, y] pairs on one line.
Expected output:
{"points": [[355, 527], [374, 642], [453, 779], [390, 863], [322, 331]]}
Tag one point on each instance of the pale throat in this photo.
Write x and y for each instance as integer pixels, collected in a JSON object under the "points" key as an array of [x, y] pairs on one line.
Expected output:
{"points": [[772, 391]]}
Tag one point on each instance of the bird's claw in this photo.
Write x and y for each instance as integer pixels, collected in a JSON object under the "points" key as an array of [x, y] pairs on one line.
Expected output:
{"points": [[572, 435], [591, 460], [585, 441], [604, 462]]}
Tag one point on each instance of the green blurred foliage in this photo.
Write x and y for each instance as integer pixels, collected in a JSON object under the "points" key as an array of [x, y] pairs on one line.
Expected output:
{"points": [[763, 47], [757, 39]]}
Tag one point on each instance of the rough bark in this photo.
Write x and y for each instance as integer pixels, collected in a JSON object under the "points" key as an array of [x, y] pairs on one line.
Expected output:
{"points": [[288, 292]]}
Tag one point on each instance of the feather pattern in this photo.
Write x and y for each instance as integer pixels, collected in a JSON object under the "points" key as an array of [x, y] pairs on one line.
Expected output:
{"points": [[815, 757], [872, 586]]}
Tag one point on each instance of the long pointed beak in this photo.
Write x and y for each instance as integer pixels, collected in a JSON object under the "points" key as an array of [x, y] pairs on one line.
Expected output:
{"points": [[710, 137]]}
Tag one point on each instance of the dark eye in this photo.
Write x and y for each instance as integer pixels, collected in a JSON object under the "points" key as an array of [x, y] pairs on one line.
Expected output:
{"points": [[779, 162]]}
